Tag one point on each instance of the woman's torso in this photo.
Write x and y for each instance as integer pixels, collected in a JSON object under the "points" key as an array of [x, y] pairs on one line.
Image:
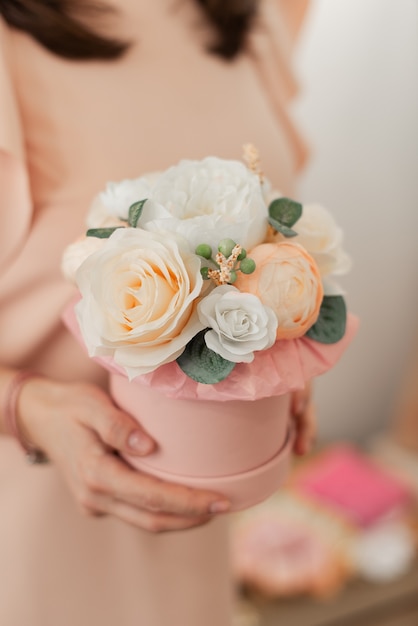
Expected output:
{"points": [[85, 123]]}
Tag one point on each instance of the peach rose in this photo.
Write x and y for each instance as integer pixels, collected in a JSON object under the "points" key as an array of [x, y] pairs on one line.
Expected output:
{"points": [[320, 235], [287, 280]]}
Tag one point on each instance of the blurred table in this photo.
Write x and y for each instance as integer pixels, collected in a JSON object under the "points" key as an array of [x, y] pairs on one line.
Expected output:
{"points": [[359, 604]]}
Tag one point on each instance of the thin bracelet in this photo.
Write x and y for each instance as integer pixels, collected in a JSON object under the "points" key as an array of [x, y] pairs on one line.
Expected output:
{"points": [[10, 415]]}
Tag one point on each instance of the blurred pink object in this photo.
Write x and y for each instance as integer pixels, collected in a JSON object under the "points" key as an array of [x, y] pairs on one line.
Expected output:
{"points": [[288, 546], [284, 557], [348, 482]]}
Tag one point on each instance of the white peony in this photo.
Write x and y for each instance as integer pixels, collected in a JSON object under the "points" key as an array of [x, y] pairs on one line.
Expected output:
{"points": [[206, 201], [240, 324], [138, 301], [99, 216]]}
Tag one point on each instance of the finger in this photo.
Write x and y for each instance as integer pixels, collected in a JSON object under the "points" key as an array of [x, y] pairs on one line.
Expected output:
{"points": [[119, 430], [153, 522], [97, 505], [92, 511], [116, 478], [300, 399], [305, 430]]}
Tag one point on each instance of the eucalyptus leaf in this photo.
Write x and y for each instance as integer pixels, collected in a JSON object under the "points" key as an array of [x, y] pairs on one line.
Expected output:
{"points": [[135, 212], [285, 211], [330, 325], [284, 230], [102, 233], [202, 364]]}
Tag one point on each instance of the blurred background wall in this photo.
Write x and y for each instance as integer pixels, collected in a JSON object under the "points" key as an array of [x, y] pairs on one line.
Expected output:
{"points": [[357, 64]]}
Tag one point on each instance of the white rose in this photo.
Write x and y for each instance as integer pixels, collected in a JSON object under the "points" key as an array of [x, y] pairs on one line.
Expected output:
{"points": [[240, 324], [139, 299], [320, 235], [114, 202], [206, 201], [76, 253]]}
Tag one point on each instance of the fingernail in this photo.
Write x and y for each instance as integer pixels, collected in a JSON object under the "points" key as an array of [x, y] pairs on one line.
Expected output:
{"points": [[221, 506], [140, 443]]}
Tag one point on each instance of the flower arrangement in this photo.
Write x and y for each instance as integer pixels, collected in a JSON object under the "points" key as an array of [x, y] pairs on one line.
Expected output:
{"points": [[209, 297], [206, 266]]}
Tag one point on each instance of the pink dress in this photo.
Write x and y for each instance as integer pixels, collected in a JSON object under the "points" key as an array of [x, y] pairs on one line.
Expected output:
{"points": [[66, 128]]}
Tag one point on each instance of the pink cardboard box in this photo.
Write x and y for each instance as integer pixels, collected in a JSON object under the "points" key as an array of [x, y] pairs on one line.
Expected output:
{"points": [[347, 481]]}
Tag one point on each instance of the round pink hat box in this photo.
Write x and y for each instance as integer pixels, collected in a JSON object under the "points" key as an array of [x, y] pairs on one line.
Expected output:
{"points": [[240, 449]]}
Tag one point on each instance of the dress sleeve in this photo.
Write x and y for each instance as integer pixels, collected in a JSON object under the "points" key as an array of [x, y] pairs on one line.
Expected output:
{"points": [[15, 198], [271, 46], [294, 13]]}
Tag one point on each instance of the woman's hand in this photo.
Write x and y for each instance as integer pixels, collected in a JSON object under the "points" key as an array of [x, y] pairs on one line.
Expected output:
{"points": [[303, 412], [80, 429]]}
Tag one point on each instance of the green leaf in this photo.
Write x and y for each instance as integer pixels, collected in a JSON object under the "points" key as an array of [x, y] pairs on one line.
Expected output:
{"points": [[284, 230], [331, 323], [102, 233], [202, 364], [285, 211], [135, 212]]}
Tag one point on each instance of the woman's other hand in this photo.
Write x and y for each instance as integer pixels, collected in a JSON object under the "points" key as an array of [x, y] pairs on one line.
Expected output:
{"points": [[80, 430], [303, 412]]}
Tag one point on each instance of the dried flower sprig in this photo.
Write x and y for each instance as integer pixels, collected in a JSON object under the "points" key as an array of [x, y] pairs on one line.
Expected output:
{"points": [[252, 159]]}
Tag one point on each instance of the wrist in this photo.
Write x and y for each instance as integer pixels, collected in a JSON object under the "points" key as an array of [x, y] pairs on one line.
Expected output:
{"points": [[14, 425]]}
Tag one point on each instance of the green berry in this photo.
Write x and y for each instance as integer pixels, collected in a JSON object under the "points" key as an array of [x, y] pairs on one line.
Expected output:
{"points": [[242, 254], [233, 277], [204, 250], [247, 266], [226, 246], [205, 273]]}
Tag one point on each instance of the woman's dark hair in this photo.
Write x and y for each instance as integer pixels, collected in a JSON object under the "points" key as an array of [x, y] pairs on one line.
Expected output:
{"points": [[56, 25]]}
